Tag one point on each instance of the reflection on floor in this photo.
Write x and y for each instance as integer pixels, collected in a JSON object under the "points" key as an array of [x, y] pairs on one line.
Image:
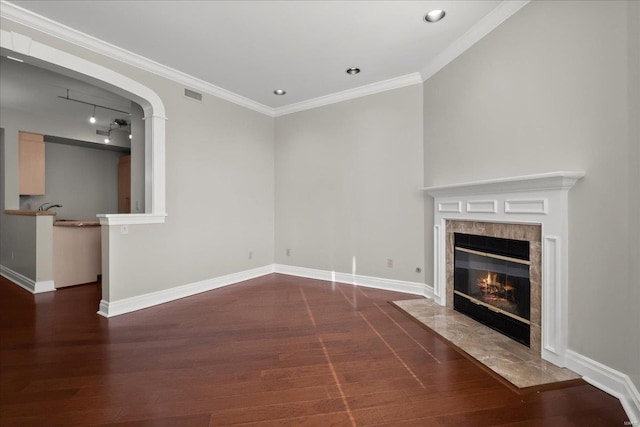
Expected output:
{"points": [[513, 361]]}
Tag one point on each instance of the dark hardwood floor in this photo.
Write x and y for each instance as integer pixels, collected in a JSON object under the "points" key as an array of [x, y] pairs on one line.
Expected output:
{"points": [[277, 350]]}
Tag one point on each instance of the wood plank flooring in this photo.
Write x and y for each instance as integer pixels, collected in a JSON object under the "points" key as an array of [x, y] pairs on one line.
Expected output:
{"points": [[273, 351]]}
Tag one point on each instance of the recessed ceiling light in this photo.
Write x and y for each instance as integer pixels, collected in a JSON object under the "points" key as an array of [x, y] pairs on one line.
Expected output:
{"points": [[434, 15], [353, 70], [279, 92]]}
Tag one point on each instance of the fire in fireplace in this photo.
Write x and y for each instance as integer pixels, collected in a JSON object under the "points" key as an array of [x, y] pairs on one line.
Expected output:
{"points": [[491, 283]]}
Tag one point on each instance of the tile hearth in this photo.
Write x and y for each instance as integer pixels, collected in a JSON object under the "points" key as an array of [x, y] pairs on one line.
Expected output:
{"points": [[519, 365]]}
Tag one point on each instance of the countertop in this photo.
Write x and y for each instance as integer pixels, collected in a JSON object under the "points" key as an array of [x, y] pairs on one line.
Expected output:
{"points": [[29, 213], [75, 223]]}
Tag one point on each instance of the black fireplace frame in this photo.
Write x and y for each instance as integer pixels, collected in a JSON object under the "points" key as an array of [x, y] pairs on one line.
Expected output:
{"points": [[516, 327]]}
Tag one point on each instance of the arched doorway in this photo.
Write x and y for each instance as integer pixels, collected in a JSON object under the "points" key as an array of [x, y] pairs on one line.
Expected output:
{"points": [[45, 56]]}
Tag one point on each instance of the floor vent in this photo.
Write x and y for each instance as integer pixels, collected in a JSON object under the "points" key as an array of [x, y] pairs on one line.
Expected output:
{"points": [[193, 95]]}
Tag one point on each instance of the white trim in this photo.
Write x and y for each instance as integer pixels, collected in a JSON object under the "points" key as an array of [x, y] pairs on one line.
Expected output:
{"points": [[123, 219], [482, 206], [552, 325], [127, 305], [345, 95], [412, 288], [103, 308], [608, 380], [492, 20], [55, 29], [25, 283], [561, 180], [455, 206], [45, 286], [526, 206], [438, 253]]}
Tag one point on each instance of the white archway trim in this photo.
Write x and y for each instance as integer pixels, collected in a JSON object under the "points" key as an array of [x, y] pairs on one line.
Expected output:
{"points": [[154, 119], [41, 23]]}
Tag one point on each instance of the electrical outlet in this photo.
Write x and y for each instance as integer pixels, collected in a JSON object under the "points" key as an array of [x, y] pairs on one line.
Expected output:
{"points": [[389, 263], [124, 229], [288, 252], [12, 255], [250, 255]]}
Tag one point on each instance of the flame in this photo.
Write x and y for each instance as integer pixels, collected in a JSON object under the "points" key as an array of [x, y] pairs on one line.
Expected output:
{"points": [[491, 278]]}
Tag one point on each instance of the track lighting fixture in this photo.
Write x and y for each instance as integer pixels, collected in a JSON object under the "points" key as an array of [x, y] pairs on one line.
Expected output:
{"points": [[92, 119]]}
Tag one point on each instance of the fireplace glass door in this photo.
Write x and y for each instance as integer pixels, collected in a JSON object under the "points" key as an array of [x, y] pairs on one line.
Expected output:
{"points": [[491, 283]]}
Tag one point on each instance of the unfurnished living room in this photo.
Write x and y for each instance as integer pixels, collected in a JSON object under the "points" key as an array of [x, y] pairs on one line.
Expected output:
{"points": [[320, 213]]}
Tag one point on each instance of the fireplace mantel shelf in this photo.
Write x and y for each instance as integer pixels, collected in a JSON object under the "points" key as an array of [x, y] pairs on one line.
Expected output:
{"points": [[561, 180]]}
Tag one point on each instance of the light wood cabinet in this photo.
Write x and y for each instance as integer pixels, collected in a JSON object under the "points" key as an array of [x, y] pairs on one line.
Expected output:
{"points": [[124, 184], [31, 163], [77, 255]]}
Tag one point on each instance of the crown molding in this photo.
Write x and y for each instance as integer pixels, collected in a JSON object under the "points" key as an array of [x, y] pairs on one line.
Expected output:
{"points": [[357, 92], [493, 19], [55, 29]]}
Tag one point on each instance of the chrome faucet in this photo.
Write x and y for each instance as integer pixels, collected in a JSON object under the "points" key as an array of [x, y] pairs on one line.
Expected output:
{"points": [[42, 206]]}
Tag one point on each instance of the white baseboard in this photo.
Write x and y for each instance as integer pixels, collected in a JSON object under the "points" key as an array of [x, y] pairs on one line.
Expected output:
{"points": [[25, 283], [127, 305], [413, 288], [44, 286], [608, 380]]}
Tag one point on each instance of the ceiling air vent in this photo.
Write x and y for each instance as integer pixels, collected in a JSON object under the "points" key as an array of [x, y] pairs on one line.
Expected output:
{"points": [[193, 95], [102, 132]]}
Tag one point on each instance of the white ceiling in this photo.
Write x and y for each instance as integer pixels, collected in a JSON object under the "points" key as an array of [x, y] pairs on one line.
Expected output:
{"points": [[32, 89], [26, 87], [251, 48]]}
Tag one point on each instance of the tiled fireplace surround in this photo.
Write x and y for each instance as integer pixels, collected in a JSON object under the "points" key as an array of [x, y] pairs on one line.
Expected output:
{"points": [[533, 208], [530, 233]]}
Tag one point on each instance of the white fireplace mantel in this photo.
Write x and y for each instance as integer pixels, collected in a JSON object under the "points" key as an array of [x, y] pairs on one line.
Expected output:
{"points": [[531, 199], [543, 181]]}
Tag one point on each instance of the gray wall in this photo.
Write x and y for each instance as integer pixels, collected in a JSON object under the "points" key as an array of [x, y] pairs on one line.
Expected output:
{"points": [[219, 190], [83, 180], [14, 121], [347, 184], [550, 89], [17, 233], [220, 194]]}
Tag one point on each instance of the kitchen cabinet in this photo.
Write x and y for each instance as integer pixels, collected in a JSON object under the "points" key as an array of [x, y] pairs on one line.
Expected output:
{"points": [[31, 164], [77, 255]]}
